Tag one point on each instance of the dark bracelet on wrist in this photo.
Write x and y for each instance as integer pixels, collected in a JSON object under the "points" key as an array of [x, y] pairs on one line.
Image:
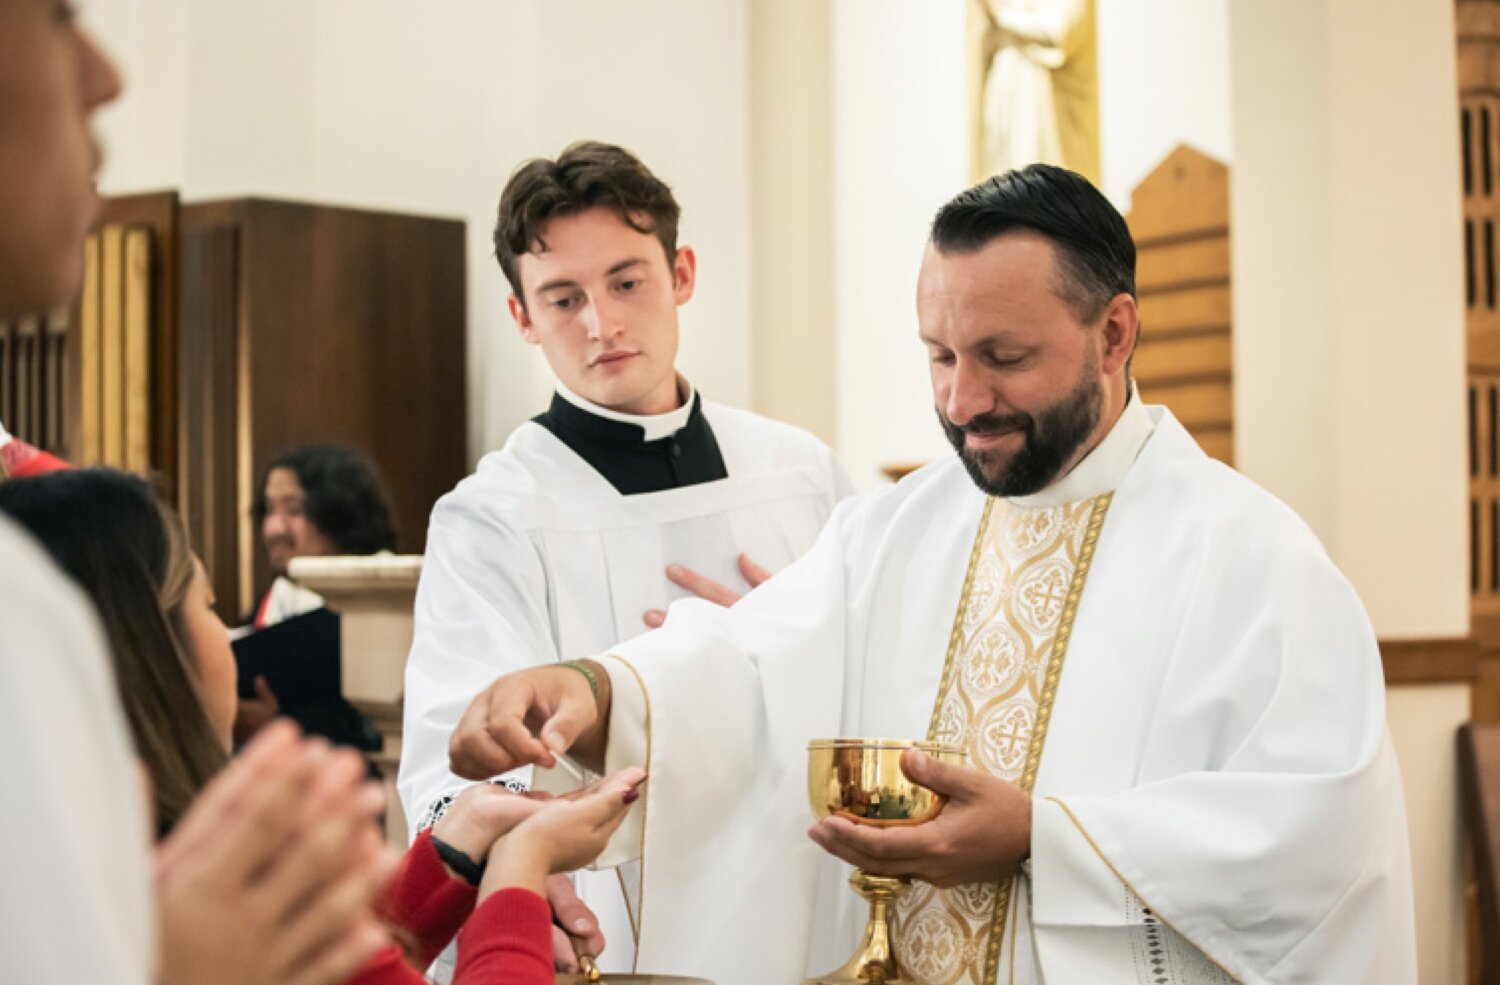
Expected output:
{"points": [[468, 869]]}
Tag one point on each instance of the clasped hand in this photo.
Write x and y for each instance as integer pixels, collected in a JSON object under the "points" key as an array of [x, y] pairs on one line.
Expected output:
{"points": [[983, 833]]}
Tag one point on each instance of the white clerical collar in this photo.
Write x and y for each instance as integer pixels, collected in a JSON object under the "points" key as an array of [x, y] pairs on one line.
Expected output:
{"points": [[655, 426], [1103, 469]]}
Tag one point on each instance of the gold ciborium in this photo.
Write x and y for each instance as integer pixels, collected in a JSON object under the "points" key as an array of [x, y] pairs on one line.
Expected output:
{"points": [[861, 779]]}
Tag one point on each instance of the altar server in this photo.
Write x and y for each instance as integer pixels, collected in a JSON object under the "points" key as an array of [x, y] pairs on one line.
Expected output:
{"points": [[629, 491], [1171, 700]]}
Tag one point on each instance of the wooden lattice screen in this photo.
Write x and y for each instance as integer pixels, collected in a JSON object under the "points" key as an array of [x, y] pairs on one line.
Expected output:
{"points": [[1479, 127], [79, 383], [1180, 221]]}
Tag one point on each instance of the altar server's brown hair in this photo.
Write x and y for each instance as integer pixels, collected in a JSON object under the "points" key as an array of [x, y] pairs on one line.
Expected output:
{"points": [[586, 175], [129, 554]]}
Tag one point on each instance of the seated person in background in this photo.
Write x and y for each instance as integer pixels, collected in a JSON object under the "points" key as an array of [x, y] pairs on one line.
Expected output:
{"points": [[316, 500], [313, 501], [629, 491], [176, 677]]}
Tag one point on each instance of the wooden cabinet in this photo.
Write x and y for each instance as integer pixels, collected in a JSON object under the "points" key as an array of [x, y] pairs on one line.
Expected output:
{"points": [[212, 336]]}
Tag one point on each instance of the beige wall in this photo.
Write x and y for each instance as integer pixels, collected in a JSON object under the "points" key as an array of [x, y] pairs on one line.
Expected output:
{"points": [[794, 377], [1349, 349]]}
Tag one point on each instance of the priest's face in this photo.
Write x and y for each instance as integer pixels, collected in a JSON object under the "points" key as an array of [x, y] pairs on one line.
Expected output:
{"points": [[1021, 384], [52, 78], [601, 301]]}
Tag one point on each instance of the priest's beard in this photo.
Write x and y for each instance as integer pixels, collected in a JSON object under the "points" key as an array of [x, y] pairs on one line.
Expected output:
{"points": [[1051, 439]]}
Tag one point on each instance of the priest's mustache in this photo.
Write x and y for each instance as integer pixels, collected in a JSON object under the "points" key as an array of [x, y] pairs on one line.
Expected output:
{"points": [[986, 425]]}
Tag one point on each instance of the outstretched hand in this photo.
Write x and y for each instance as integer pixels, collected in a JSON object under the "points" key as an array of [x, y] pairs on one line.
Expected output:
{"points": [[527, 718], [706, 588], [983, 833]]}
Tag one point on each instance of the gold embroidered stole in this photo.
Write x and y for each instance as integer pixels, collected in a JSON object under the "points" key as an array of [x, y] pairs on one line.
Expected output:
{"points": [[1005, 658]]}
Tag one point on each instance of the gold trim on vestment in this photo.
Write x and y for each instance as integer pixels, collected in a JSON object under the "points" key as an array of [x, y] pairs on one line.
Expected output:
{"points": [[1051, 677], [958, 620], [639, 919], [1127, 884]]}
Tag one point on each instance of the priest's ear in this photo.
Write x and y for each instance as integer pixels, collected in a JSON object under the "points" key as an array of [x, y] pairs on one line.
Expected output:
{"points": [[1120, 327], [684, 274], [522, 318]]}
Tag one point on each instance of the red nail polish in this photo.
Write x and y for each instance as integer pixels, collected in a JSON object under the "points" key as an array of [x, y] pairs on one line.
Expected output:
{"points": [[632, 795]]}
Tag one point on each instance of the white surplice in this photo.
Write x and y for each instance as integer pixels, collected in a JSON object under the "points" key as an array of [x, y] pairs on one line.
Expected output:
{"points": [[75, 895], [537, 558], [1216, 796]]}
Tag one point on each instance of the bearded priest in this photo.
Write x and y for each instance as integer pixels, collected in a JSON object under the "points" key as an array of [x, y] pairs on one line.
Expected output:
{"points": [[1172, 703]]}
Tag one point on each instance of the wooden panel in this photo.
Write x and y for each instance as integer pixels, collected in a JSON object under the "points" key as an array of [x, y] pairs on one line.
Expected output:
{"points": [[136, 353], [90, 445], [1429, 661], [1216, 442], [208, 473], [112, 345], [1195, 404], [1186, 195], [1479, 786], [1196, 261], [1164, 313], [1163, 360]]}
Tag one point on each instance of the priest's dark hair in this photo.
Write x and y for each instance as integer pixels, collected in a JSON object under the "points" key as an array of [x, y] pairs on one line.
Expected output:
{"points": [[129, 554], [342, 495], [586, 175], [1095, 253]]}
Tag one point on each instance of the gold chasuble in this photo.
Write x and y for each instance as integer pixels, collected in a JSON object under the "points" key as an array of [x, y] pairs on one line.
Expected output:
{"points": [[1005, 657]]}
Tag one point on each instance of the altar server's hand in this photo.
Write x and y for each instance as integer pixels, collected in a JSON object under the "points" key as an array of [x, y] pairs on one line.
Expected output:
{"points": [[983, 833], [707, 588], [526, 718], [570, 911]]}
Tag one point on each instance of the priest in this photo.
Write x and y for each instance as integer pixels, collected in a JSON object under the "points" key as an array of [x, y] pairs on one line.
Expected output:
{"points": [[1178, 769], [630, 490]]}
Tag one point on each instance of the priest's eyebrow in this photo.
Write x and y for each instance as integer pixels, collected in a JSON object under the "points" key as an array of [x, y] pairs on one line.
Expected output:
{"points": [[623, 265]]}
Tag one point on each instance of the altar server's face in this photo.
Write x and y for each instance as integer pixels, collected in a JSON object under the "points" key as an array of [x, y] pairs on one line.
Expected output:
{"points": [[1021, 384], [601, 300], [52, 78]]}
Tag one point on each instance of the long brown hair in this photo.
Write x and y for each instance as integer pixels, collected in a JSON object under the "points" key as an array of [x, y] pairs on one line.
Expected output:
{"points": [[129, 554]]}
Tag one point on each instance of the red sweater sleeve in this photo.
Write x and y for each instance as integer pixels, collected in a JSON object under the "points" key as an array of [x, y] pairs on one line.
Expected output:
{"points": [[508, 941], [424, 906], [23, 461]]}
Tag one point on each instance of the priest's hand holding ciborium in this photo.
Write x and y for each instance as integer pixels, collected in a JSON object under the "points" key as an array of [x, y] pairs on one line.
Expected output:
{"points": [[862, 781]]}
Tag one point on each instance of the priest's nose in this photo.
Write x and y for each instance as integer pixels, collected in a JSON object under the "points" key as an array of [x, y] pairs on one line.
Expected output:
{"points": [[968, 394]]}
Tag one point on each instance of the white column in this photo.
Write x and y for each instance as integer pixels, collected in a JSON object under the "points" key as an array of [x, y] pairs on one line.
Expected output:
{"points": [[1349, 347]]}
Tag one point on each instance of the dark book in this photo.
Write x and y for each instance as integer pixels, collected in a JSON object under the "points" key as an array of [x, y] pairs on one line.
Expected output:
{"points": [[299, 658]]}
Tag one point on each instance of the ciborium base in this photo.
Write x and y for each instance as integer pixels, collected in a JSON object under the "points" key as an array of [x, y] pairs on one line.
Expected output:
{"points": [[875, 962]]}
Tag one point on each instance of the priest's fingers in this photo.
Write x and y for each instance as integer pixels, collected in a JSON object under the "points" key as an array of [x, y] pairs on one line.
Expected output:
{"points": [[570, 911], [906, 845], [704, 588], [957, 782], [753, 573], [477, 752]]}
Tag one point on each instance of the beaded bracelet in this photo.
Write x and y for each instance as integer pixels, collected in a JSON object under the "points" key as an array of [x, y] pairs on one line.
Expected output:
{"points": [[587, 672]]}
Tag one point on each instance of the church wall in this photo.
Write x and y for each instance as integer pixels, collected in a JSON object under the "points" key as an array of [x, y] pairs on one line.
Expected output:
{"points": [[1423, 720], [901, 131], [1349, 350], [1163, 81], [427, 108]]}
